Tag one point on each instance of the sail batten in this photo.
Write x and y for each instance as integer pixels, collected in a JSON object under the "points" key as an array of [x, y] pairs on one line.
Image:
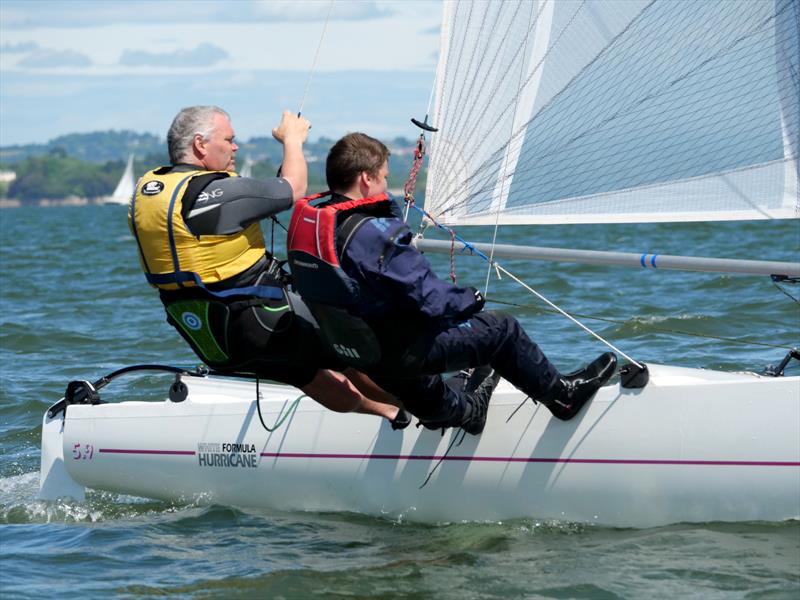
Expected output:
{"points": [[572, 101]]}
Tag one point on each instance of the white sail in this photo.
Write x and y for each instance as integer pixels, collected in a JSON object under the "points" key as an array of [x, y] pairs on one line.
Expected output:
{"points": [[247, 168], [124, 191], [575, 111]]}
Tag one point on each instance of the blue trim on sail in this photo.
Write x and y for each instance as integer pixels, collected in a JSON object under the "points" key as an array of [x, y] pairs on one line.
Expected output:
{"points": [[467, 245], [653, 261], [642, 260]]}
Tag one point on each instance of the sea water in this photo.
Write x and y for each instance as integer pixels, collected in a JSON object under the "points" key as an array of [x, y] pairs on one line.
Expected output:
{"points": [[74, 305]]}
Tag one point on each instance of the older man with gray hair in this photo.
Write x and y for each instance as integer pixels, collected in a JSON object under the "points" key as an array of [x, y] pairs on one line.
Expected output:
{"points": [[196, 224]]}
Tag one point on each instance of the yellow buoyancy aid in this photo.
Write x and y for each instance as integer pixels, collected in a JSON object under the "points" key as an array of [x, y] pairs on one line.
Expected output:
{"points": [[170, 254]]}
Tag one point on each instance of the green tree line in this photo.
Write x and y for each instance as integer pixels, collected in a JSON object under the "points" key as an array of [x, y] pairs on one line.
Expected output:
{"points": [[56, 172]]}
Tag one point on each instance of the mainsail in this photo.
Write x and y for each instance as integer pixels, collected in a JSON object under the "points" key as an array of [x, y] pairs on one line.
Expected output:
{"points": [[591, 111]]}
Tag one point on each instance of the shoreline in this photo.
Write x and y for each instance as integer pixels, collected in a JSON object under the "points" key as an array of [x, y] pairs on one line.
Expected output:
{"points": [[69, 201]]}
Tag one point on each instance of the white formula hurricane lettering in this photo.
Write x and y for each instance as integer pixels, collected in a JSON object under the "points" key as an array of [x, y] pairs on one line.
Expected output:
{"points": [[227, 454]]}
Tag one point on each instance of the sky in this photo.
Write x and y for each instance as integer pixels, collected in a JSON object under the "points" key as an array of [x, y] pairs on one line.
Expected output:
{"points": [[74, 66]]}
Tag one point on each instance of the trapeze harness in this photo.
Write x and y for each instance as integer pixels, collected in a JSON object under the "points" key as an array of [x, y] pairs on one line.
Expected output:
{"points": [[317, 237], [182, 265]]}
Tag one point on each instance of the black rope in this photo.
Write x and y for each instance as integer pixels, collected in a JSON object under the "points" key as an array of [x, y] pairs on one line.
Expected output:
{"points": [[281, 416], [782, 290], [258, 407], [516, 410], [441, 460]]}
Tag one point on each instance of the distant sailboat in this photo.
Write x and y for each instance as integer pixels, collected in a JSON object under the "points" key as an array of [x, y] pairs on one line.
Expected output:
{"points": [[247, 168], [124, 191]]}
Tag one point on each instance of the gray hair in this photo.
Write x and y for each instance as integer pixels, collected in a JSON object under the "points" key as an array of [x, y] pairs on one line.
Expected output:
{"points": [[186, 124]]}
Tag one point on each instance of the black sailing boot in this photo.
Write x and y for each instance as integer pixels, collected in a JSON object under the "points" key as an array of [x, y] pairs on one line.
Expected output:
{"points": [[474, 418], [401, 420], [572, 391], [476, 377], [468, 380]]}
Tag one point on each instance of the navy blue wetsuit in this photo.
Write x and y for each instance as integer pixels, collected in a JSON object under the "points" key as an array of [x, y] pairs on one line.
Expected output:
{"points": [[427, 326]]}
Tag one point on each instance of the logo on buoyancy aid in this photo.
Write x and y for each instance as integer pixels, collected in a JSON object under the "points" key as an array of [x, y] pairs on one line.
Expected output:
{"points": [[307, 265], [151, 188], [227, 454], [346, 351], [191, 320]]}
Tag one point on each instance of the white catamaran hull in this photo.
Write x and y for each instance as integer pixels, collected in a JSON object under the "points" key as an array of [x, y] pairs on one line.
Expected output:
{"points": [[693, 445]]}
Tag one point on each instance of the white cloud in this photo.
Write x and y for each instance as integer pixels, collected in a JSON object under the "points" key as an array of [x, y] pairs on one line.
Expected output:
{"points": [[202, 55], [312, 10], [19, 48], [29, 14], [46, 58], [88, 65]]}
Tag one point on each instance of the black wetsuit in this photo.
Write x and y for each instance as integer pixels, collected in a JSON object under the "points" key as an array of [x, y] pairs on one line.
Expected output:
{"points": [[286, 349]]}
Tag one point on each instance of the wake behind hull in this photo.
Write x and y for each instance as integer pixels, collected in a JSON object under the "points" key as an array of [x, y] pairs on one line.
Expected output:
{"points": [[692, 446]]}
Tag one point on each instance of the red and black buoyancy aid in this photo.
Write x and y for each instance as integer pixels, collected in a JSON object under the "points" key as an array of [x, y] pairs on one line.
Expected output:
{"points": [[314, 233], [317, 275]]}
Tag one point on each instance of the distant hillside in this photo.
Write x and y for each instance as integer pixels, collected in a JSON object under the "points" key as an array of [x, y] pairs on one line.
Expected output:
{"points": [[97, 147], [103, 146], [88, 165]]}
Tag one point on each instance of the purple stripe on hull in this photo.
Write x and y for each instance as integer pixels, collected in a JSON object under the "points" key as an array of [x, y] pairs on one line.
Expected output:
{"points": [[509, 459], [500, 459], [167, 452]]}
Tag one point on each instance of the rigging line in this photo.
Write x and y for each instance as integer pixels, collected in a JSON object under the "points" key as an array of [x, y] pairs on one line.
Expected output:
{"points": [[499, 268], [316, 55], [507, 154], [744, 342], [564, 313], [494, 158]]}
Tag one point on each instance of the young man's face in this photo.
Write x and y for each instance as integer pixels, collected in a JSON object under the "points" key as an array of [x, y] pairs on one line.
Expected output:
{"points": [[379, 183], [220, 149]]}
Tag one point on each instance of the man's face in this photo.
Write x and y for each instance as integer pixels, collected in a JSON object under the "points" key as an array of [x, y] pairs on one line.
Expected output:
{"points": [[220, 149], [380, 183]]}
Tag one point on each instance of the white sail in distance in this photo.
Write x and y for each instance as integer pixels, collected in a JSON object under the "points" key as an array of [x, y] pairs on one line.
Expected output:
{"points": [[591, 111], [247, 168], [123, 193]]}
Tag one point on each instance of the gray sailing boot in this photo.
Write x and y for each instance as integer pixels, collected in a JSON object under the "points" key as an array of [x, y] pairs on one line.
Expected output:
{"points": [[572, 391]]}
